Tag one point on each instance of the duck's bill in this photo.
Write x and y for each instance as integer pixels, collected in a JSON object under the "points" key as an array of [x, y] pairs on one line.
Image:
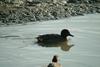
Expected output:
{"points": [[71, 35]]}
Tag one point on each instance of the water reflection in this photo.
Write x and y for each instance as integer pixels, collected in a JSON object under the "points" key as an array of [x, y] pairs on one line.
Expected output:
{"points": [[63, 45]]}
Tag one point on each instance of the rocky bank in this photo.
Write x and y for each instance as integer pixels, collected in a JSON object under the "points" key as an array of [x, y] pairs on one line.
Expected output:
{"points": [[45, 11]]}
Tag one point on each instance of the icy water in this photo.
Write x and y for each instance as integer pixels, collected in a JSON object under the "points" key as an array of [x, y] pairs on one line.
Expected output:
{"points": [[18, 47]]}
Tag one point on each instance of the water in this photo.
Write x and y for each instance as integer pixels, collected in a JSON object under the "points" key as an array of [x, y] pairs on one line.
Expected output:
{"points": [[18, 47]]}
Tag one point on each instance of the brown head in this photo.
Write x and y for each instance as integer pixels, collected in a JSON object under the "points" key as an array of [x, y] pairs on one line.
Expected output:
{"points": [[65, 33], [55, 58]]}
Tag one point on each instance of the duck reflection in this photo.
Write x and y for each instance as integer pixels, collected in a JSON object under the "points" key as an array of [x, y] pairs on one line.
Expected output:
{"points": [[63, 45]]}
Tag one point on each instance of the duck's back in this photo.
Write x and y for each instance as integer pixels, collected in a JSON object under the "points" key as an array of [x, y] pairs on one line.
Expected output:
{"points": [[50, 38], [54, 65]]}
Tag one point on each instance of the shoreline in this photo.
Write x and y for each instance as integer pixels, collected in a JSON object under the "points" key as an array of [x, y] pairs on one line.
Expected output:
{"points": [[47, 21], [45, 12]]}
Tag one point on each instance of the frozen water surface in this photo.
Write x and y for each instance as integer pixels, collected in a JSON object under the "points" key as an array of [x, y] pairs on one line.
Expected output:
{"points": [[18, 48]]}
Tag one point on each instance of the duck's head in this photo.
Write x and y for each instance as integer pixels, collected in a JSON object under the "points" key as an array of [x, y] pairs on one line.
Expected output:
{"points": [[65, 33]]}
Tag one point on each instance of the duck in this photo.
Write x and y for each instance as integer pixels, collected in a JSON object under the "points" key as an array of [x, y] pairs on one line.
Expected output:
{"points": [[54, 62], [54, 38]]}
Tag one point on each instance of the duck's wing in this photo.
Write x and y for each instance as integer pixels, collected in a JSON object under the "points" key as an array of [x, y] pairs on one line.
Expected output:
{"points": [[48, 37]]}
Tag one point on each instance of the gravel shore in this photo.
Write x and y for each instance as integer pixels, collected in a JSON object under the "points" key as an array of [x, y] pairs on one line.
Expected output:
{"points": [[45, 11]]}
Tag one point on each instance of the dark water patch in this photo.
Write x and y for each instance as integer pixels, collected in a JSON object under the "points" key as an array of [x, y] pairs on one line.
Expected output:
{"points": [[9, 36]]}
